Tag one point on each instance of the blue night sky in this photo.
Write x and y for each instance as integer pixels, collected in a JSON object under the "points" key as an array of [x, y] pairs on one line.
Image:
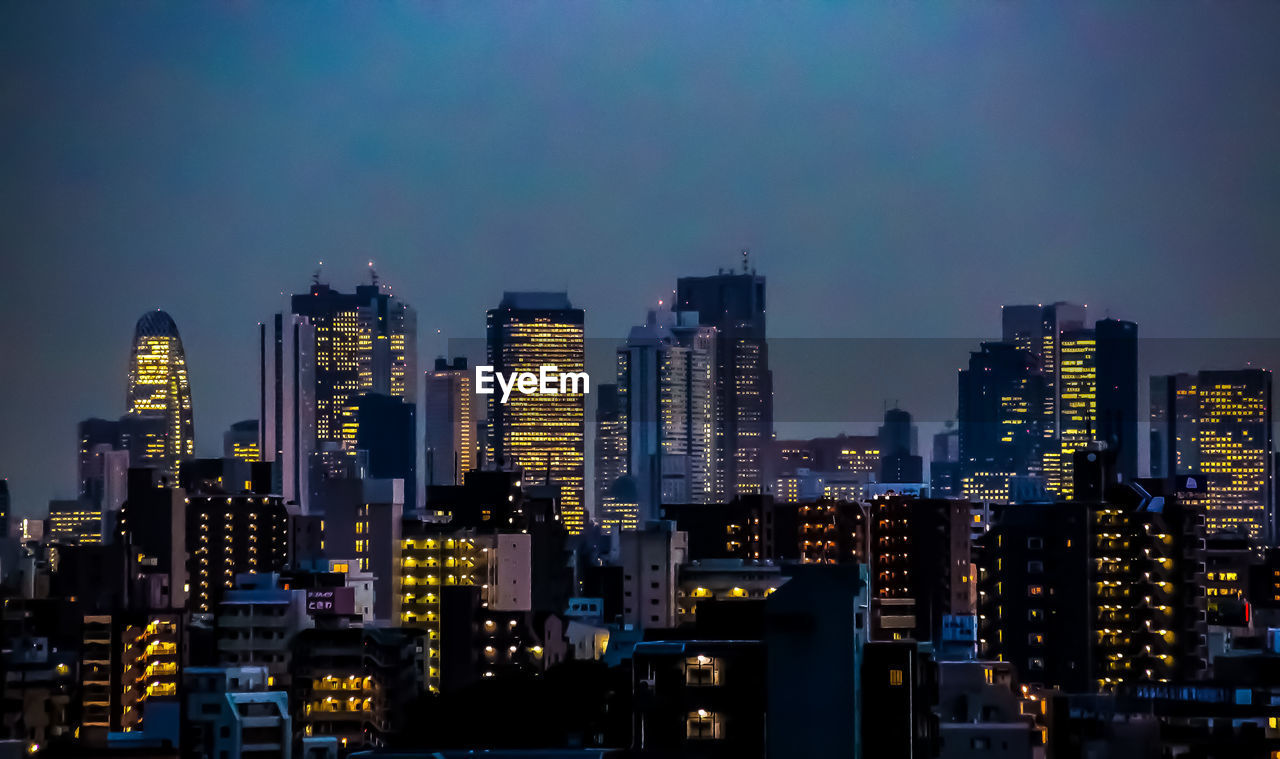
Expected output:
{"points": [[898, 170]]}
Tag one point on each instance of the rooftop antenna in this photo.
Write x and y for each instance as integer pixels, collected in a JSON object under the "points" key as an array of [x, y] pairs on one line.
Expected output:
{"points": [[315, 278], [373, 275], [746, 260]]}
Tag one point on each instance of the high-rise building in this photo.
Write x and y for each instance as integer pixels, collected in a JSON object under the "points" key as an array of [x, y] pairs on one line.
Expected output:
{"points": [[610, 445], [6, 507], [1117, 392], [1218, 425], [898, 462], [734, 304], [1051, 387], [1039, 330], [386, 428], [666, 391], [543, 435], [450, 411], [158, 384], [240, 441], [1000, 397], [1097, 400], [1093, 595], [231, 534], [920, 566], [316, 360]]}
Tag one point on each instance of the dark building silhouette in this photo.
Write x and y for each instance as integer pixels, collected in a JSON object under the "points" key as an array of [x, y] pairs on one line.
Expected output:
{"points": [[703, 699], [899, 689], [1117, 394], [386, 429]]}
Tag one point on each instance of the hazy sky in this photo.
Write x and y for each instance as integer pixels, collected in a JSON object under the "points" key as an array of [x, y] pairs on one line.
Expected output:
{"points": [[898, 169]]}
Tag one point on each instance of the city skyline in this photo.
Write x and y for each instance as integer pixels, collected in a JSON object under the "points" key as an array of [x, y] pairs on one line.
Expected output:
{"points": [[654, 380], [870, 172]]}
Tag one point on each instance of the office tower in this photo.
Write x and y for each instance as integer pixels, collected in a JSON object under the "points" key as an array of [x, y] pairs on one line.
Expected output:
{"points": [[898, 462], [1000, 410], [1175, 409], [542, 435], [667, 395], [6, 508], [315, 361], [610, 445], [450, 410], [158, 384], [919, 563], [1039, 330], [1117, 392], [240, 441], [944, 467], [96, 437], [74, 522], [734, 304], [1217, 425], [1088, 596], [1097, 400], [386, 429]]}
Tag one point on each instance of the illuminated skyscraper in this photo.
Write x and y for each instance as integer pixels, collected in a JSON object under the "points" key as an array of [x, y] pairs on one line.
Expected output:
{"points": [[999, 414], [1097, 400], [734, 304], [610, 444], [540, 434], [241, 441], [1087, 385], [316, 360], [450, 445], [666, 385], [1217, 425], [1038, 330], [158, 384]]}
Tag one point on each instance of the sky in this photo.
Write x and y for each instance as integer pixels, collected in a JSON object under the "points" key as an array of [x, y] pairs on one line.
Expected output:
{"points": [[898, 170]]}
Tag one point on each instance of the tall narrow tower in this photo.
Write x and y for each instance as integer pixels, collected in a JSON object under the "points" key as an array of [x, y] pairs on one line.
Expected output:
{"points": [[158, 385]]}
